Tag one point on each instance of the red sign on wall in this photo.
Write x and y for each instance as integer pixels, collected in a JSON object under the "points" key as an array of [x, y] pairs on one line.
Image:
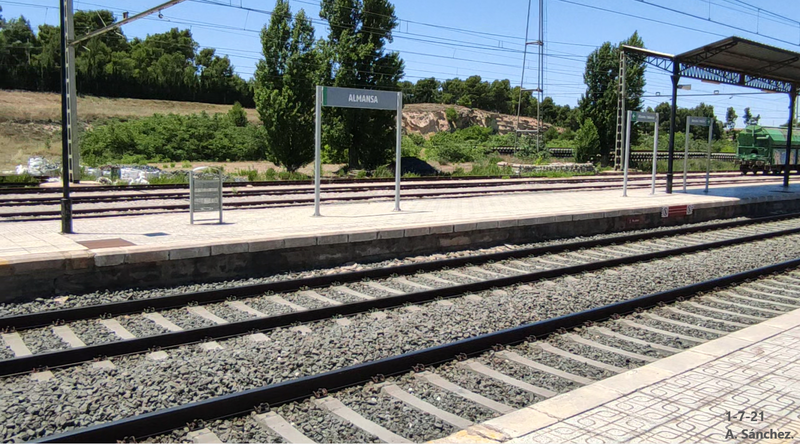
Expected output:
{"points": [[677, 211]]}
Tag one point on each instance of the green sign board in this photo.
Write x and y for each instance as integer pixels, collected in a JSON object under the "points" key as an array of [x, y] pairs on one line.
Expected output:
{"points": [[637, 116], [699, 121], [359, 98]]}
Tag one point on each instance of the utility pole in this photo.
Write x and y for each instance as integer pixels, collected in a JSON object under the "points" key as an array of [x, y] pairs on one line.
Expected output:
{"points": [[70, 155], [540, 83], [539, 88], [72, 108], [621, 105], [522, 77], [65, 8]]}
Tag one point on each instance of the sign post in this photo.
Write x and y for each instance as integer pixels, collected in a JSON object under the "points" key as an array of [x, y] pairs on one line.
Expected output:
{"points": [[698, 121], [329, 96], [317, 150], [636, 117]]}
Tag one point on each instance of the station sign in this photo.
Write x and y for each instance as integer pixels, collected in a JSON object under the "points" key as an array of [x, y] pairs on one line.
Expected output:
{"points": [[358, 98], [205, 192], [637, 116], [206, 195], [699, 121]]}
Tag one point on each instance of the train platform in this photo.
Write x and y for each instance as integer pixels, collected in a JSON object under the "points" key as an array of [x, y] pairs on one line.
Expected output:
{"points": [[743, 387], [113, 252]]}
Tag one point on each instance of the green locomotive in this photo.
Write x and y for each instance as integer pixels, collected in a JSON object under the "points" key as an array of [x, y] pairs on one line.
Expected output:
{"points": [[764, 149]]}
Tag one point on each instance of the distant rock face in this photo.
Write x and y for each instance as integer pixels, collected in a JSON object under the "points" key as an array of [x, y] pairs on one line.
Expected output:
{"points": [[429, 118]]}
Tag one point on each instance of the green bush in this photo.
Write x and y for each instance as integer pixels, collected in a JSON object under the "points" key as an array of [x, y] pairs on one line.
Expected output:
{"points": [[270, 174], [166, 138], [237, 115], [455, 152], [292, 175], [251, 175], [696, 144], [409, 148], [418, 139], [22, 179], [693, 165], [169, 180], [489, 168], [383, 171], [452, 117], [587, 143], [465, 145], [530, 152], [556, 174]]}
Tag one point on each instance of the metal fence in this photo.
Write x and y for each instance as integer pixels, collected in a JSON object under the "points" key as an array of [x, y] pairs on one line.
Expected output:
{"points": [[636, 156]]}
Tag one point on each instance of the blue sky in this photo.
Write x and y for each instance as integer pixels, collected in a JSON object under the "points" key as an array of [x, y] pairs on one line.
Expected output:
{"points": [[459, 38]]}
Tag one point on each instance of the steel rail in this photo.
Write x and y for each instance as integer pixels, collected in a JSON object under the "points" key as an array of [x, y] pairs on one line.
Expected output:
{"points": [[47, 317], [137, 211], [329, 181], [184, 194], [238, 403], [84, 354]]}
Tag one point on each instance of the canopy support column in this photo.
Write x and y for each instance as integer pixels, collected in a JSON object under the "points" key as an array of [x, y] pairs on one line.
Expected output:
{"points": [[788, 162], [676, 76]]}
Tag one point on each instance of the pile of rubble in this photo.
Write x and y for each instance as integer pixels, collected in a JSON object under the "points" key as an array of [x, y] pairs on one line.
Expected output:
{"points": [[38, 167]]}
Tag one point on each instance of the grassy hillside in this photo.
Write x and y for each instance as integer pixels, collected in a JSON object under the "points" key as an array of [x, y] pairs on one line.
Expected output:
{"points": [[30, 121]]}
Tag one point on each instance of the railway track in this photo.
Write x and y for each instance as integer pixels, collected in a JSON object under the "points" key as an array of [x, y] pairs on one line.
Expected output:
{"points": [[249, 198], [437, 391], [346, 303], [149, 192]]}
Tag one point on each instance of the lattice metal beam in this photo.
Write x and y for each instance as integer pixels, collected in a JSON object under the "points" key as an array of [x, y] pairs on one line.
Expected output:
{"points": [[659, 63], [734, 78]]}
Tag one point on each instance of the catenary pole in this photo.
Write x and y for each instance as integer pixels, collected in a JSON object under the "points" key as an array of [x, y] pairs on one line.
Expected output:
{"points": [[676, 76], [66, 201], [787, 163], [70, 160], [522, 77]]}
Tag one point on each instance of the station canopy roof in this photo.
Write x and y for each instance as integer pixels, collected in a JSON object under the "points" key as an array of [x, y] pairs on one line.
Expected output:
{"points": [[737, 61], [756, 64]]}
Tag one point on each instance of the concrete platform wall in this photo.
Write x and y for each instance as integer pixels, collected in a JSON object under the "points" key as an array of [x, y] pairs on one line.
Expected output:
{"points": [[147, 267]]}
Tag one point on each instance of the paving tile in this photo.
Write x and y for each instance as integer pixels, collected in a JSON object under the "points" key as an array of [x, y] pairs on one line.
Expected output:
{"points": [[292, 227]]}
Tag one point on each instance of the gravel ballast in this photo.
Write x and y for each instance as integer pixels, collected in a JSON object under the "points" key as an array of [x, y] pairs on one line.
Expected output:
{"points": [[104, 297], [190, 374], [444, 400], [393, 415]]}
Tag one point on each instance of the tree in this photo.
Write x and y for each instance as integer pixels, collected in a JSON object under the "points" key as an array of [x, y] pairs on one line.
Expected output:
{"points": [[730, 118], [161, 66], [355, 48], [452, 90], [237, 115], [749, 118], [427, 91], [284, 90], [599, 103], [587, 142], [20, 47], [499, 99]]}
